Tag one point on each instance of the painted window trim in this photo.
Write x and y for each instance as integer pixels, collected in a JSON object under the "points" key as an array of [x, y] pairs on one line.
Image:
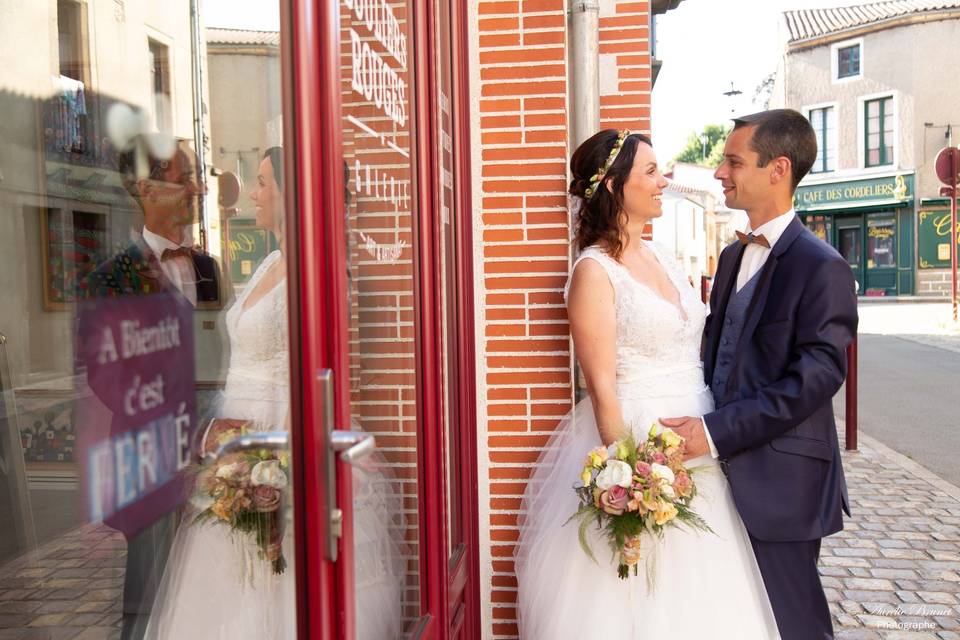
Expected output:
{"points": [[862, 101], [833, 144], [835, 60]]}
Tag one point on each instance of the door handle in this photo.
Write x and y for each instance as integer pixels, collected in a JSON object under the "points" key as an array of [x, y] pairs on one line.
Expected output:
{"points": [[352, 447], [273, 440]]}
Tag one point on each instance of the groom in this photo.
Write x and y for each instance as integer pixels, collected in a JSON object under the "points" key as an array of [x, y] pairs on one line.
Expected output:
{"points": [[782, 312]]}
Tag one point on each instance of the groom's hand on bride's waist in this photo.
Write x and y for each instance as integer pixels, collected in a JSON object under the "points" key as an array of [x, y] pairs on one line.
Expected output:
{"points": [[692, 431]]}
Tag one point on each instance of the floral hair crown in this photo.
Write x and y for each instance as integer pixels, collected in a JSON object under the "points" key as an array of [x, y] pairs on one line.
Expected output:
{"points": [[602, 171]]}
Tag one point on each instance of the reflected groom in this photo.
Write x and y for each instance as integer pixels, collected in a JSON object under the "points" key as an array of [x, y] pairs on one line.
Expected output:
{"points": [[161, 258]]}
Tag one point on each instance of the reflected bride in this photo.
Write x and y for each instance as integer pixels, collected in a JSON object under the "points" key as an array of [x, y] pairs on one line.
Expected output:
{"points": [[216, 583]]}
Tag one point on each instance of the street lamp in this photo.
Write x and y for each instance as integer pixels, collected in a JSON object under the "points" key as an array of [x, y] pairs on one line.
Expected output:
{"points": [[732, 93]]}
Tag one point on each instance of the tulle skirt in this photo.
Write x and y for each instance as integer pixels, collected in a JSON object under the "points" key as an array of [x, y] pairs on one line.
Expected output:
{"points": [[706, 585], [217, 588]]}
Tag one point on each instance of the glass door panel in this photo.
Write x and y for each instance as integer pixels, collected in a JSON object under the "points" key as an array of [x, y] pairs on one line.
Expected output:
{"points": [[850, 246], [378, 167], [881, 254], [141, 224]]}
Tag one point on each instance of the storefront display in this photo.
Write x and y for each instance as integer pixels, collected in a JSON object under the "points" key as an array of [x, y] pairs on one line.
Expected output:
{"points": [[870, 222]]}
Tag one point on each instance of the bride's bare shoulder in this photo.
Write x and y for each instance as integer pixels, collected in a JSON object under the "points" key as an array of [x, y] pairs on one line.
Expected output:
{"points": [[591, 280]]}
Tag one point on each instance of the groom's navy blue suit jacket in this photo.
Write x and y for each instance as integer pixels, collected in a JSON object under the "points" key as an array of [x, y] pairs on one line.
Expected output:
{"points": [[774, 427]]}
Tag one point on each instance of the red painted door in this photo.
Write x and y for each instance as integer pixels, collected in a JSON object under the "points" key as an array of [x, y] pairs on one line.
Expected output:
{"points": [[386, 274]]}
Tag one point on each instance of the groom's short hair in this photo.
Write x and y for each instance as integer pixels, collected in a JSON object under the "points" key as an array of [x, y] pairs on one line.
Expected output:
{"points": [[782, 132]]}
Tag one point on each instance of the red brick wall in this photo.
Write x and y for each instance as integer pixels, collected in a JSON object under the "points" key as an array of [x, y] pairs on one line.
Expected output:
{"points": [[519, 80]]}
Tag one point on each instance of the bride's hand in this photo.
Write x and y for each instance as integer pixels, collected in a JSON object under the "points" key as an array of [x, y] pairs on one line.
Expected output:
{"points": [[218, 431]]}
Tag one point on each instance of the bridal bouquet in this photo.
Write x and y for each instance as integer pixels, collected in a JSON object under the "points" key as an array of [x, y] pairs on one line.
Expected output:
{"points": [[245, 490], [632, 488]]}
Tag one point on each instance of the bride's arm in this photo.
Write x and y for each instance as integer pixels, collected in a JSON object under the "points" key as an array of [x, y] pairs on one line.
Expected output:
{"points": [[593, 325]]}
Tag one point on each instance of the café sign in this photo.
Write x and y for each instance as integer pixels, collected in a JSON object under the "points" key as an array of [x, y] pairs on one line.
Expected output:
{"points": [[888, 190]]}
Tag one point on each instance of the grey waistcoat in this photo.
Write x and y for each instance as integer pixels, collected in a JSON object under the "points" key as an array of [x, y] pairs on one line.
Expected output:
{"points": [[733, 322]]}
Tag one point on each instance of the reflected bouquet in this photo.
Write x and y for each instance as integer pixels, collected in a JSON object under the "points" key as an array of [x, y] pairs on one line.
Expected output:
{"points": [[245, 491], [632, 488]]}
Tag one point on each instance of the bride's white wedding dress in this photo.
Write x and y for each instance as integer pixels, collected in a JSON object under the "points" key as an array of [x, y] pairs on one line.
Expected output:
{"points": [[215, 586], [707, 585]]}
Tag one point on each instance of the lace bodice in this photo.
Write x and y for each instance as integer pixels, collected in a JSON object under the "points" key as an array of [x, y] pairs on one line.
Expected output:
{"points": [[658, 347], [258, 380]]}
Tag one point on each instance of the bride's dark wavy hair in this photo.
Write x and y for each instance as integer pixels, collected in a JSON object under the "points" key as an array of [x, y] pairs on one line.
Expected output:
{"points": [[601, 219]]}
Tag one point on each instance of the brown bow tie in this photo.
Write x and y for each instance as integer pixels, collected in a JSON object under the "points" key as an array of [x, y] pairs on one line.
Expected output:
{"points": [[747, 238], [169, 254]]}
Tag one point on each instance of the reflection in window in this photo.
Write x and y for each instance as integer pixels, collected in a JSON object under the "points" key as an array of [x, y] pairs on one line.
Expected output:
{"points": [[377, 99], [72, 39], [160, 85], [105, 170]]}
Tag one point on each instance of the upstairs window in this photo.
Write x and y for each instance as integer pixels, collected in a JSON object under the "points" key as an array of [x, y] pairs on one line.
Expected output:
{"points": [[878, 132], [824, 121], [848, 61]]}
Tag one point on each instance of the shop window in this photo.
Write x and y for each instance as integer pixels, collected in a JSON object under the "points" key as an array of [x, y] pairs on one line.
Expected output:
{"points": [[818, 225], [160, 85], [824, 122], [881, 244], [878, 132]]}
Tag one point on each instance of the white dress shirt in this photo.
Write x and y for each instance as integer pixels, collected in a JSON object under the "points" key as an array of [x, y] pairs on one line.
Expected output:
{"points": [[179, 270], [754, 257]]}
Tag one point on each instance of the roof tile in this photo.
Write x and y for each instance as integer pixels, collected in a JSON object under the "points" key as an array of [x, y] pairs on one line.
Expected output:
{"points": [[811, 23]]}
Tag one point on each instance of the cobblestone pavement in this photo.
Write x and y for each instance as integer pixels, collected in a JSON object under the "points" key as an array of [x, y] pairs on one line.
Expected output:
{"points": [[894, 572], [70, 589]]}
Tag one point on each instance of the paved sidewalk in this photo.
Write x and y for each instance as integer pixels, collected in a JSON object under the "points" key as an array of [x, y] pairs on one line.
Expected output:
{"points": [[70, 589], [894, 572]]}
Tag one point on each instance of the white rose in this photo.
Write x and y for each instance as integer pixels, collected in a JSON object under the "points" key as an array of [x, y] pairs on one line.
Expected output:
{"points": [[230, 471], [268, 473], [615, 473], [662, 473], [666, 490]]}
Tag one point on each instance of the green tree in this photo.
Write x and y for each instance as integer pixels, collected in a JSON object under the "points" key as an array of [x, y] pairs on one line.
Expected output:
{"points": [[706, 147]]}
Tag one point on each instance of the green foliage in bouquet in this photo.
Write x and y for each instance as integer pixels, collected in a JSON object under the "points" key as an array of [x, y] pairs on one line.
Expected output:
{"points": [[632, 488]]}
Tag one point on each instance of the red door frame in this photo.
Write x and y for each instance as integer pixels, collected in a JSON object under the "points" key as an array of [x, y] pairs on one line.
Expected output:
{"points": [[468, 569], [463, 578], [319, 324], [310, 54]]}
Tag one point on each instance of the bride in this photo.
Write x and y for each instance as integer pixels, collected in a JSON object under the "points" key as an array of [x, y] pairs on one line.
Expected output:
{"points": [[215, 585], [636, 325]]}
